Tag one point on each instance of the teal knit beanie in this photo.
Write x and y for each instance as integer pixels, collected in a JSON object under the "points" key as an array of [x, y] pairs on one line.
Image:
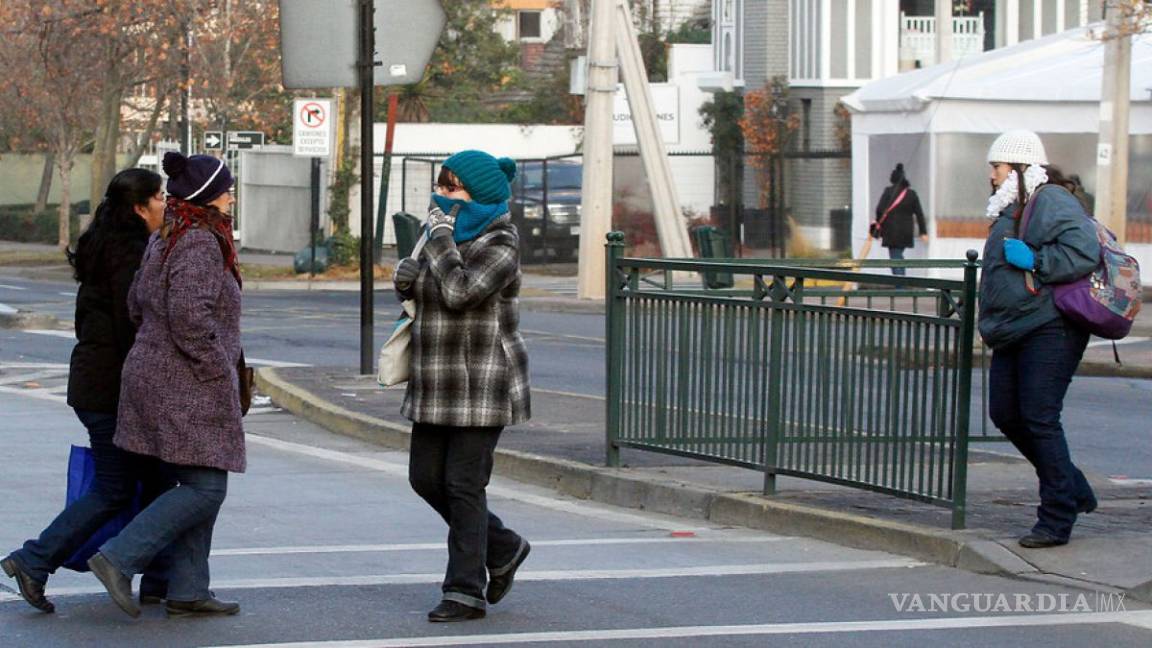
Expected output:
{"points": [[485, 177]]}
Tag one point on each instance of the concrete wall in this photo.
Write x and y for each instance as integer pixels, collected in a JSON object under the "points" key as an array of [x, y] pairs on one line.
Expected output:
{"points": [[275, 195], [20, 178]]}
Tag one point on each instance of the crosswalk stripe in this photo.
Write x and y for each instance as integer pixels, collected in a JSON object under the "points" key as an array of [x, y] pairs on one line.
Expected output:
{"points": [[685, 632], [532, 576], [53, 333], [398, 469], [40, 394], [439, 546]]}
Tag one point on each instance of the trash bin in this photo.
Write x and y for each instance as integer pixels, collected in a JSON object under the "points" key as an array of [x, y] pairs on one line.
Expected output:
{"points": [[713, 243], [407, 230], [840, 221]]}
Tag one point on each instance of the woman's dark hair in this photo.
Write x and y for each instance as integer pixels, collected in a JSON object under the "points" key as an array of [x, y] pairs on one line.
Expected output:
{"points": [[898, 179], [115, 220], [447, 179], [1057, 177]]}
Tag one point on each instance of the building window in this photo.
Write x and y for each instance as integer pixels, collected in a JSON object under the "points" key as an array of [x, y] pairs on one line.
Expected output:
{"points": [[528, 24]]}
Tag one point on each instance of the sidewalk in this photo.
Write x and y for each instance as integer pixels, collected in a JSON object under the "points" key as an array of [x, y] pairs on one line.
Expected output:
{"points": [[562, 447]]}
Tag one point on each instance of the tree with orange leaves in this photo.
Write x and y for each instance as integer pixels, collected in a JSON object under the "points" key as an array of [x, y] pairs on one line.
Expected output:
{"points": [[767, 125]]}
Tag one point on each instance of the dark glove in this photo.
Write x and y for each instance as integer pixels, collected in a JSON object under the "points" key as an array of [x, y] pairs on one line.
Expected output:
{"points": [[1019, 254], [405, 274], [441, 224]]}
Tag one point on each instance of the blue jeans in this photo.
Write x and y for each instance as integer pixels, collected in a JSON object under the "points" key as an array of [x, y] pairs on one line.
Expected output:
{"points": [[117, 474], [1027, 383], [450, 467], [184, 518], [897, 254]]}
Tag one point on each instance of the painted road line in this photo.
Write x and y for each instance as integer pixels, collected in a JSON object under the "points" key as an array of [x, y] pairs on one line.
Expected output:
{"points": [[5, 309], [11, 287], [551, 576], [562, 336], [30, 377], [1129, 340], [400, 470], [689, 632], [274, 363], [1128, 481], [439, 546], [567, 393], [34, 365], [39, 394], [67, 294], [71, 335]]}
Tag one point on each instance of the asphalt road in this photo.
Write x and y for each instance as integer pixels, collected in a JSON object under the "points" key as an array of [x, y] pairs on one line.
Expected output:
{"points": [[1106, 419], [324, 544]]}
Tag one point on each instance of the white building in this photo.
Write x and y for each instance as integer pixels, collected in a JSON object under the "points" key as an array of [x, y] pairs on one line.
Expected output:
{"points": [[828, 48]]}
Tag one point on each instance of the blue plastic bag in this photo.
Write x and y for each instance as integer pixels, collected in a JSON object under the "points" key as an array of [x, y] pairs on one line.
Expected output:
{"points": [[81, 479]]}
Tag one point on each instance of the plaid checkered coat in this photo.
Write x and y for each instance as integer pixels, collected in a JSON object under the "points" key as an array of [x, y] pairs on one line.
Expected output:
{"points": [[469, 363]]}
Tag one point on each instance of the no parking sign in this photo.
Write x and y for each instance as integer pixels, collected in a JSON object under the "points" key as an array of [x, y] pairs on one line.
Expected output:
{"points": [[312, 127]]}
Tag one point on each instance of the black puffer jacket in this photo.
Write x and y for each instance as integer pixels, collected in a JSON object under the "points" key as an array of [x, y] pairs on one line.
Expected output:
{"points": [[104, 333], [896, 231]]}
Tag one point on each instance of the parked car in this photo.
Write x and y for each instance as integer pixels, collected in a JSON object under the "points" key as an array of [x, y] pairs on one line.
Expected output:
{"points": [[545, 208]]}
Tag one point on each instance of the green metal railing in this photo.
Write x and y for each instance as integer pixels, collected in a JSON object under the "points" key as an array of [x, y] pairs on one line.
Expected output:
{"points": [[782, 379]]}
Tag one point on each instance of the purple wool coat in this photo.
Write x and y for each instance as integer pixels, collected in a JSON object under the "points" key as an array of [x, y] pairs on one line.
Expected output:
{"points": [[179, 398]]}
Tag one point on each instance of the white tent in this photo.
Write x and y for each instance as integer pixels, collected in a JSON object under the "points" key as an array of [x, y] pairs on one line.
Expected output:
{"points": [[939, 122]]}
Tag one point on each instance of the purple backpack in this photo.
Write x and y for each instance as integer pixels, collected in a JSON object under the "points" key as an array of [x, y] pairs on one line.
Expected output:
{"points": [[1106, 301]]}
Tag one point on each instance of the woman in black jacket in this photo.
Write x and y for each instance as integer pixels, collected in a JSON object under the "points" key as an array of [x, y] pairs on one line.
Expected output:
{"points": [[105, 263], [894, 213]]}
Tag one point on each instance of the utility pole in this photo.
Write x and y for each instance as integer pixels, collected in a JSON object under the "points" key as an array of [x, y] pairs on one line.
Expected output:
{"points": [[596, 198], [1112, 149], [666, 203], [943, 31]]}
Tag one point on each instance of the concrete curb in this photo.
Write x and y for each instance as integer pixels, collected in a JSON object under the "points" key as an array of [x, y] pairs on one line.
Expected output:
{"points": [[620, 487]]}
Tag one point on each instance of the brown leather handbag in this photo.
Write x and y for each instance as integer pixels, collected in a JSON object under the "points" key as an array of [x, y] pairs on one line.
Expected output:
{"points": [[245, 379]]}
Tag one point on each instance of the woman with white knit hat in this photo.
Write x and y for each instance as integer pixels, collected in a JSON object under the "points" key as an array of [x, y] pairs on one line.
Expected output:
{"points": [[1035, 350]]}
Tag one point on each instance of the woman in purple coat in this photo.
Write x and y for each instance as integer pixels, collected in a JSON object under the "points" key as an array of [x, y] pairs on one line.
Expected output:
{"points": [[180, 399]]}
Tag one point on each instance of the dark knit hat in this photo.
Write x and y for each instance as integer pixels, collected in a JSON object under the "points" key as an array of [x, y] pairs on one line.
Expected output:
{"points": [[485, 177], [198, 179]]}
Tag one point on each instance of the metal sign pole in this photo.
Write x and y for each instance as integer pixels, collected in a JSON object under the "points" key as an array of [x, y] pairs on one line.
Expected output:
{"points": [[367, 87], [315, 223]]}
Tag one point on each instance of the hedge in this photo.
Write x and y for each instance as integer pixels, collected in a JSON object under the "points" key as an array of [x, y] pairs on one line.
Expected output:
{"points": [[20, 223]]}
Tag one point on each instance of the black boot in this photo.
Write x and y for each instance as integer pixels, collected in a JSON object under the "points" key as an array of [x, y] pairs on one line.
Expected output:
{"points": [[207, 607], [449, 611], [31, 589], [118, 585]]}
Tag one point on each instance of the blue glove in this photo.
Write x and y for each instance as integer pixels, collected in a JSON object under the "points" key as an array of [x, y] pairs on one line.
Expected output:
{"points": [[1019, 254]]}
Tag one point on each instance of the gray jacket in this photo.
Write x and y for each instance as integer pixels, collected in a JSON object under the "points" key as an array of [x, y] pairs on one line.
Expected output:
{"points": [[179, 399], [469, 363], [1064, 242]]}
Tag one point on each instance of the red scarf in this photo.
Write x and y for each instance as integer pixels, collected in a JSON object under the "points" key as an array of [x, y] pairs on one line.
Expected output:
{"points": [[181, 216]]}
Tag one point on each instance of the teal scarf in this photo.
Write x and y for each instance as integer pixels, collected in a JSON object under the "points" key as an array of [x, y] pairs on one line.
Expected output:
{"points": [[473, 218]]}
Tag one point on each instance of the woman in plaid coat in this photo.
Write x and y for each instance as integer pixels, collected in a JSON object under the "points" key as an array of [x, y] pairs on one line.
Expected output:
{"points": [[469, 373]]}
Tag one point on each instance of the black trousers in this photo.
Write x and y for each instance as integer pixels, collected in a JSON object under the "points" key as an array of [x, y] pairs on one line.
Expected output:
{"points": [[450, 467]]}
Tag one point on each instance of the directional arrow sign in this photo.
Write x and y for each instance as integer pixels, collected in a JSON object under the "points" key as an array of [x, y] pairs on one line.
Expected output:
{"points": [[213, 140], [318, 41]]}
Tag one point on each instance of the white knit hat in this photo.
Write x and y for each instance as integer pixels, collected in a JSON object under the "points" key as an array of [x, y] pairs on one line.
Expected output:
{"points": [[1018, 147]]}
